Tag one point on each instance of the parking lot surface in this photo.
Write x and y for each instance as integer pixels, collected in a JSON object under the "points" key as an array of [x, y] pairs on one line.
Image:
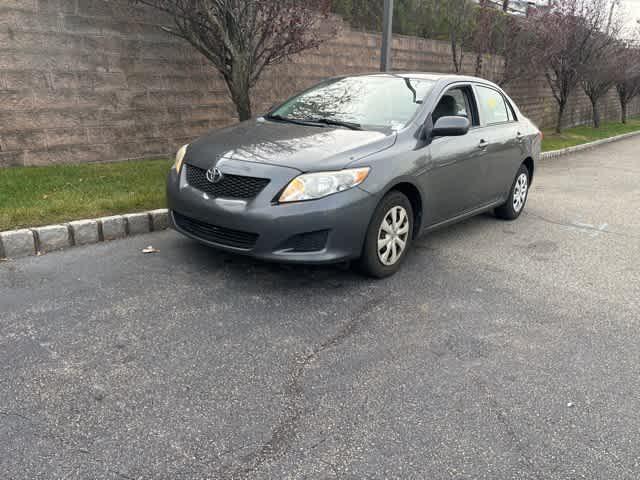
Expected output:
{"points": [[500, 351]]}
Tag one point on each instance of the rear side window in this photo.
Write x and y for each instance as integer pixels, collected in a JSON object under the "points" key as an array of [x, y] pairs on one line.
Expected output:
{"points": [[492, 106]]}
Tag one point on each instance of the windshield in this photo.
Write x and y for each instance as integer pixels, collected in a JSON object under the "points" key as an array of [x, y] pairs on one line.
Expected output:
{"points": [[386, 102]]}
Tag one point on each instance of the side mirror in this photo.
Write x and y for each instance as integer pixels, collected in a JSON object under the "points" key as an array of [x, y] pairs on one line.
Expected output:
{"points": [[451, 127]]}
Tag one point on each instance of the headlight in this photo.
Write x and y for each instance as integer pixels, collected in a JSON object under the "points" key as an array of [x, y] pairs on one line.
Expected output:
{"points": [[180, 158], [317, 185]]}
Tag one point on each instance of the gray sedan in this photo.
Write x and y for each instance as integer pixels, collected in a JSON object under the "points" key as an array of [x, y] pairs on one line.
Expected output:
{"points": [[355, 168]]}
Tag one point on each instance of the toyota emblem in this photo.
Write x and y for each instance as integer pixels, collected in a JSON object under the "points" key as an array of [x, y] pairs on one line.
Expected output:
{"points": [[214, 175]]}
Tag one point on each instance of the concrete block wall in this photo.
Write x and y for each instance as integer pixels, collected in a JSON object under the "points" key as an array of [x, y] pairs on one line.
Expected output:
{"points": [[92, 80], [535, 99], [97, 80]]}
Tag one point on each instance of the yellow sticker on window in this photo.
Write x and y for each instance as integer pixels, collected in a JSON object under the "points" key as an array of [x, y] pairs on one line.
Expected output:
{"points": [[492, 103]]}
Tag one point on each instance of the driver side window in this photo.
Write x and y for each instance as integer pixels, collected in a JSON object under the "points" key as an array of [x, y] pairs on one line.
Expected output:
{"points": [[456, 102]]}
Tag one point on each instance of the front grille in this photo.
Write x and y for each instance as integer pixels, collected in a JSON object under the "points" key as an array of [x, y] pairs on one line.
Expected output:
{"points": [[215, 234], [306, 242], [231, 186]]}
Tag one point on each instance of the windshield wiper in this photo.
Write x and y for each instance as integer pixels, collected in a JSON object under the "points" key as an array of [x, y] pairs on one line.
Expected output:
{"points": [[297, 121], [337, 123], [315, 122]]}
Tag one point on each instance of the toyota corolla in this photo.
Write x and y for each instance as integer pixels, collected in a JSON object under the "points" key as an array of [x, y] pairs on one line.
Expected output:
{"points": [[355, 168]]}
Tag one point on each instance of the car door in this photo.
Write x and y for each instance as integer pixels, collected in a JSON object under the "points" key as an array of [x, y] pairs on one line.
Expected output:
{"points": [[500, 131], [455, 163]]}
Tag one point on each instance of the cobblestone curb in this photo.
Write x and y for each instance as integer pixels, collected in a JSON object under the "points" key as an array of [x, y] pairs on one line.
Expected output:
{"points": [[38, 241], [586, 146]]}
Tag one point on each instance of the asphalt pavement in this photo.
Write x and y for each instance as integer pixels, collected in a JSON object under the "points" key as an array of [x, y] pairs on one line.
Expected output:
{"points": [[501, 351]]}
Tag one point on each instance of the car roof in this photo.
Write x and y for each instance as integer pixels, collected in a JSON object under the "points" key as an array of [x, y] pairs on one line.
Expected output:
{"points": [[425, 76]]}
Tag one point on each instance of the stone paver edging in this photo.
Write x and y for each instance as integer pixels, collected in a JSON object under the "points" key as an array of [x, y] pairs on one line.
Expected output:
{"points": [[40, 240], [586, 146]]}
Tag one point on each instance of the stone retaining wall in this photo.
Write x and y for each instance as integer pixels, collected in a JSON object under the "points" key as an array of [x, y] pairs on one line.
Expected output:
{"points": [[96, 80]]}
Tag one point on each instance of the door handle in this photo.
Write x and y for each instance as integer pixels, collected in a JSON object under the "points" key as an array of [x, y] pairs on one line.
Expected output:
{"points": [[483, 144]]}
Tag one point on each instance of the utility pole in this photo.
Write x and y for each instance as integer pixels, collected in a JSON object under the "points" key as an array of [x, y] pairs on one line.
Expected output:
{"points": [[387, 31]]}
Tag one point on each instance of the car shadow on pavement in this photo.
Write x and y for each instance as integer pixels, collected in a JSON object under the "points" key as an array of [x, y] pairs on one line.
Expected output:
{"points": [[242, 268], [467, 228]]}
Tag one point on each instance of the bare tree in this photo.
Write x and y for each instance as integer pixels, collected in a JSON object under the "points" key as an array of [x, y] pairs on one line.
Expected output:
{"points": [[483, 33], [599, 75], [569, 36], [597, 80], [242, 37], [458, 20], [627, 77], [515, 37], [509, 36]]}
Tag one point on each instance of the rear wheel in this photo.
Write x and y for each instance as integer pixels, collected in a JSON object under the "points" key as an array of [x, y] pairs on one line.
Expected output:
{"points": [[517, 196], [389, 236]]}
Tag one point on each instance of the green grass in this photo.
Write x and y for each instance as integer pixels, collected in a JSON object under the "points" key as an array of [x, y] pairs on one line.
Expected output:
{"points": [[578, 135], [33, 196]]}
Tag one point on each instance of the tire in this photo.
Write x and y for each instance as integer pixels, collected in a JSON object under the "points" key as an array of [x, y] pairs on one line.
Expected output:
{"points": [[393, 222], [517, 200]]}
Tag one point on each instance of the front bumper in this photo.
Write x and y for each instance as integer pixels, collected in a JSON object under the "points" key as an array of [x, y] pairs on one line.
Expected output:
{"points": [[343, 217]]}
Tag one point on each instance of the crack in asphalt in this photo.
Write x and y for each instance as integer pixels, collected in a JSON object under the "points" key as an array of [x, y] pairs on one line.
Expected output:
{"points": [[120, 474], [580, 227], [41, 429], [13, 414], [44, 431], [283, 433], [522, 446]]}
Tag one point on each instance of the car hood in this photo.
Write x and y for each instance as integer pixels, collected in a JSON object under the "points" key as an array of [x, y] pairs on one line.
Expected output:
{"points": [[305, 148]]}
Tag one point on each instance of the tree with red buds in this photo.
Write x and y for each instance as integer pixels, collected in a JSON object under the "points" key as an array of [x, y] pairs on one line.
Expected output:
{"points": [[242, 37]]}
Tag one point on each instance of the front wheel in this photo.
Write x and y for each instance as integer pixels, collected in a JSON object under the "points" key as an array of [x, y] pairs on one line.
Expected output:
{"points": [[517, 196], [389, 236]]}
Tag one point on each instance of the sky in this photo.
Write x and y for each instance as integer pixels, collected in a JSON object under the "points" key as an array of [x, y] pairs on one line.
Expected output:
{"points": [[632, 8]]}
